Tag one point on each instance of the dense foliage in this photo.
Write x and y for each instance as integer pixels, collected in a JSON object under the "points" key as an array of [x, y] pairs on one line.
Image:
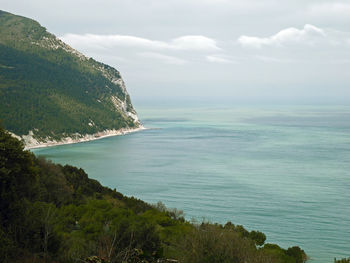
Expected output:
{"points": [[343, 260], [55, 213], [50, 89]]}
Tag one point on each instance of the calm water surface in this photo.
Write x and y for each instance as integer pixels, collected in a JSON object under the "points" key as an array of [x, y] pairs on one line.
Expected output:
{"points": [[282, 170]]}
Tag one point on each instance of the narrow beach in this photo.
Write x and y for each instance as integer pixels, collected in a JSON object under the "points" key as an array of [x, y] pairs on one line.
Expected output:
{"points": [[31, 143]]}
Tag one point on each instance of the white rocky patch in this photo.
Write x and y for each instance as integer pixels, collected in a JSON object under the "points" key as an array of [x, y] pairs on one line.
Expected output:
{"points": [[122, 105], [118, 104], [29, 139], [55, 43], [120, 82], [133, 116], [16, 136]]}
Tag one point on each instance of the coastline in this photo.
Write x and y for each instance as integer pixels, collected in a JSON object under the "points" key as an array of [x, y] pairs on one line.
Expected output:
{"points": [[31, 143]]}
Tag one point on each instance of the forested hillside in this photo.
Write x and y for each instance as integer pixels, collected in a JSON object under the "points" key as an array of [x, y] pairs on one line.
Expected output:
{"points": [[53, 91], [55, 213]]}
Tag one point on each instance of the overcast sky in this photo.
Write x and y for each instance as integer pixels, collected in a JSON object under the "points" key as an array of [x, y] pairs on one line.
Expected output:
{"points": [[244, 50]]}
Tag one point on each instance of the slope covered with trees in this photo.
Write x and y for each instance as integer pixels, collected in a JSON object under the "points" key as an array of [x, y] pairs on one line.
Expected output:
{"points": [[54, 91], [55, 213]]}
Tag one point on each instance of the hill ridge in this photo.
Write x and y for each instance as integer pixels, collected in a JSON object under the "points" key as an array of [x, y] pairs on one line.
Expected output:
{"points": [[52, 94]]}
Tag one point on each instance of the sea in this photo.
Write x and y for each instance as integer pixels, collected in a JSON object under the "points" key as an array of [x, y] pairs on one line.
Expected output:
{"points": [[282, 170]]}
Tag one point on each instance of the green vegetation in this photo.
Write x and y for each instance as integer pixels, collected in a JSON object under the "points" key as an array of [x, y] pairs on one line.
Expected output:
{"points": [[50, 89], [55, 213], [343, 260]]}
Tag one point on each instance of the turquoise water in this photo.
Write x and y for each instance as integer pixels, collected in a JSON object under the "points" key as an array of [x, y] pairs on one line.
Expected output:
{"points": [[282, 170]]}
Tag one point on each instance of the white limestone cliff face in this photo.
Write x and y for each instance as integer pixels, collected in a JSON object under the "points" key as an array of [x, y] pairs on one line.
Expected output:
{"points": [[122, 105]]}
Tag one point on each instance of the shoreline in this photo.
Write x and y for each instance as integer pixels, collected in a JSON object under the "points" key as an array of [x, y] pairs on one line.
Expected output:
{"points": [[31, 143]]}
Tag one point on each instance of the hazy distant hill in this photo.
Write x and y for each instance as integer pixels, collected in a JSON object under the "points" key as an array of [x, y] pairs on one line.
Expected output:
{"points": [[51, 91]]}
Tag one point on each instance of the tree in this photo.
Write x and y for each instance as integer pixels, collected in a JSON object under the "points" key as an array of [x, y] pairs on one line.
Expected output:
{"points": [[297, 253], [258, 237]]}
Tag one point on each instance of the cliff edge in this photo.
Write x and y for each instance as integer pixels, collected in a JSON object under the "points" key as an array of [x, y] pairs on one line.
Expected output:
{"points": [[52, 94]]}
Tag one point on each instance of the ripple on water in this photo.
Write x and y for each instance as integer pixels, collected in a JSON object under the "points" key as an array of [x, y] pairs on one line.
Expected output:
{"points": [[285, 172]]}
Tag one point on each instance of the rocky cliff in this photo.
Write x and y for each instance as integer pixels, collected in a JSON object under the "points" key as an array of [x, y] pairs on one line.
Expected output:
{"points": [[50, 93]]}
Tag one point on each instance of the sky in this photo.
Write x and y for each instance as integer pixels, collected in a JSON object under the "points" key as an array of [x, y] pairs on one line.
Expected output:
{"points": [[273, 51]]}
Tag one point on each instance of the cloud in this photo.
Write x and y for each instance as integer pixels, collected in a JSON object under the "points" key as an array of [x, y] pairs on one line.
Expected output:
{"points": [[269, 59], [307, 35], [330, 9], [340, 61], [194, 43], [184, 43], [164, 58], [220, 59]]}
